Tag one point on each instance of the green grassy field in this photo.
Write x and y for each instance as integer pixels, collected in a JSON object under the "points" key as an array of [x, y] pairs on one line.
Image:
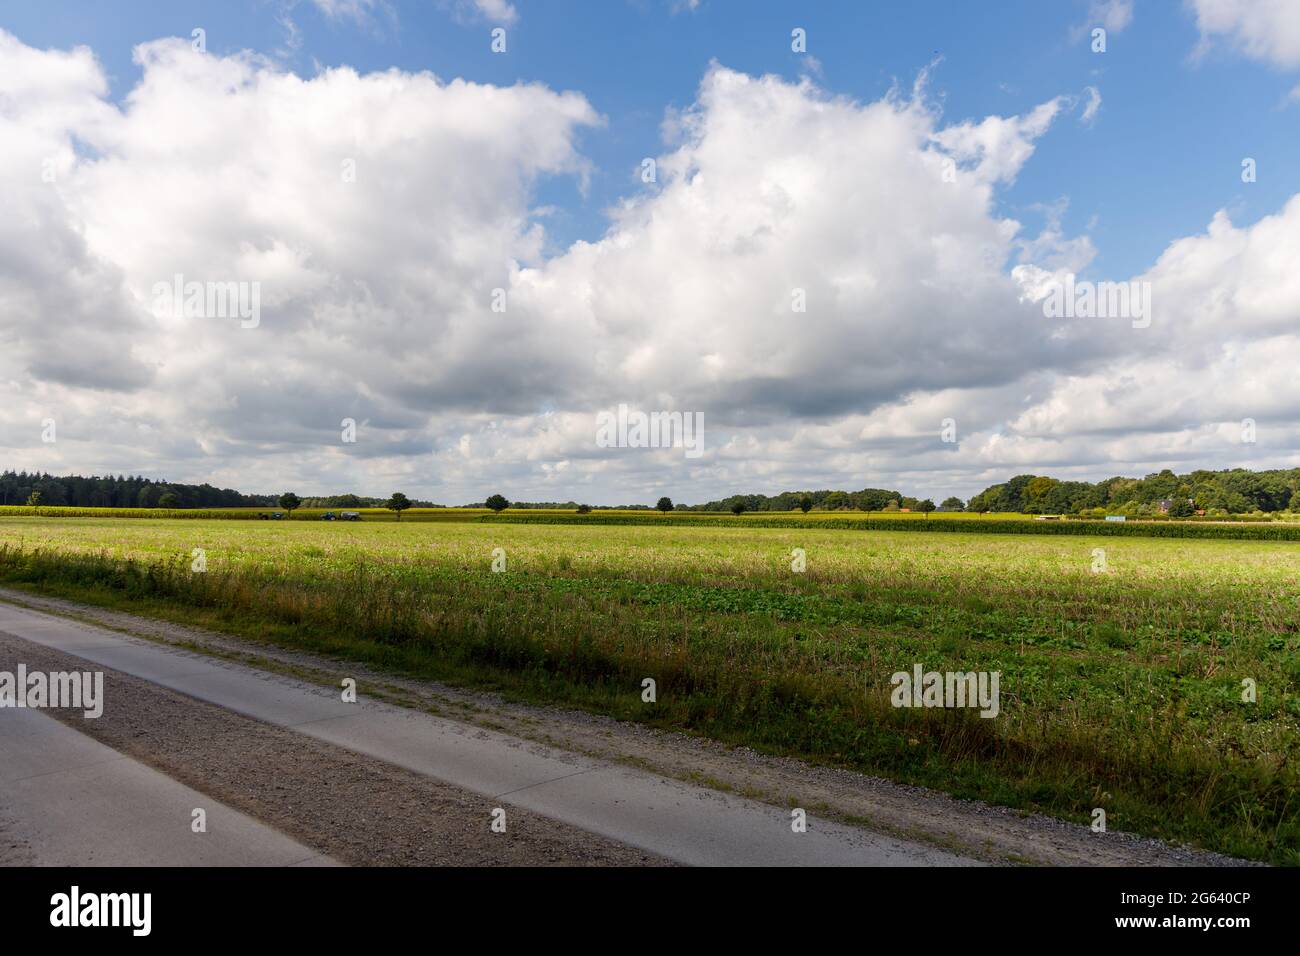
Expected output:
{"points": [[1282, 526], [1120, 690]]}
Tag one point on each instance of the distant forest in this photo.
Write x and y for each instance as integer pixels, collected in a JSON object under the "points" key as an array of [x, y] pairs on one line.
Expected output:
{"points": [[1235, 491], [124, 491], [120, 492], [868, 499]]}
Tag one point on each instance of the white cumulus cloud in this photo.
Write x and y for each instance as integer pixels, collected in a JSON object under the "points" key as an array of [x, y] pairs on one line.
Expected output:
{"points": [[1267, 30]]}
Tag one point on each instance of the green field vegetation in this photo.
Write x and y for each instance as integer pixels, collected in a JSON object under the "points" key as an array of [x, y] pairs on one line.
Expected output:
{"points": [[1120, 690], [1281, 527], [959, 523]]}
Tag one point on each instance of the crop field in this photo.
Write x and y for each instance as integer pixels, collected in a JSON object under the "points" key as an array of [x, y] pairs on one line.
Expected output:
{"points": [[1278, 527], [1126, 664]]}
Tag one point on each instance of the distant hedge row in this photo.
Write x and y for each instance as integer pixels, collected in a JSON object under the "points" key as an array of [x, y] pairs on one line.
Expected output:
{"points": [[1117, 529]]}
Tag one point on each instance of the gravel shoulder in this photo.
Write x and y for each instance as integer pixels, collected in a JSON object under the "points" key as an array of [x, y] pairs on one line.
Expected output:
{"points": [[967, 828]]}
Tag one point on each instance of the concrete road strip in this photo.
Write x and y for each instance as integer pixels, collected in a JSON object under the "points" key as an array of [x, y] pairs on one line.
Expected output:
{"points": [[684, 823], [67, 800]]}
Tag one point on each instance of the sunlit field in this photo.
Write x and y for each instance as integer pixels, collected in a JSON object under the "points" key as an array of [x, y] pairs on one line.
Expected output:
{"points": [[1122, 660]]}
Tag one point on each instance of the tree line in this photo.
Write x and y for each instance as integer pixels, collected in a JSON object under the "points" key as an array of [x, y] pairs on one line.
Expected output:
{"points": [[360, 501], [123, 491], [1232, 491], [1228, 492], [868, 499], [119, 491]]}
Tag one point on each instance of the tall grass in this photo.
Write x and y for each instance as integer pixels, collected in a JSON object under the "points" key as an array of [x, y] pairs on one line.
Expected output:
{"points": [[1161, 744]]}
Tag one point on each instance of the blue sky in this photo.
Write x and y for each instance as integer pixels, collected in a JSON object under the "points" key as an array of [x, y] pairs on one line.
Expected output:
{"points": [[132, 157]]}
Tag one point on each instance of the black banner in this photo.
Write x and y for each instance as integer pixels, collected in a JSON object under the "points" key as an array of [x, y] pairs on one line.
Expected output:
{"points": [[336, 905]]}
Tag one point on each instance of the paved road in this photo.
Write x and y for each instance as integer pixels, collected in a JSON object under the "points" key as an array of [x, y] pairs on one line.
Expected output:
{"points": [[67, 800], [683, 823]]}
